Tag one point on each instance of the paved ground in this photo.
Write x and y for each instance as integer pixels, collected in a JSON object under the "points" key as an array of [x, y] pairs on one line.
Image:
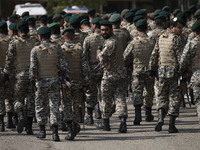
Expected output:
{"points": [[141, 137]]}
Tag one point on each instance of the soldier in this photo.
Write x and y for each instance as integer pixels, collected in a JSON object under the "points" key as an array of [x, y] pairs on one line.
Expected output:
{"points": [[14, 18], [72, 52], [42, 21], [91, 68], [55, 33], [46, 61], [91, 14], [12, 30], [138, 53], [32, 26], [25, 15], [59, 19], [66, 21], [164, 61], [18, 57], [85, 26], [123, 13], [191, 55], [114, 78]]}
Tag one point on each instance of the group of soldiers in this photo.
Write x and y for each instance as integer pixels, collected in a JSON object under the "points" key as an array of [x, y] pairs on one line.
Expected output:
{"points": [[53, 65]]}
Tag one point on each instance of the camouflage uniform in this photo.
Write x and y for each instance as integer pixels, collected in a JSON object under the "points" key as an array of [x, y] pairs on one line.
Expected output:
{"points": [[57, 39], [191, 55], [155, 33], [72, 52], [114, 78], [46, 60], [18, 56], [33, 32]]}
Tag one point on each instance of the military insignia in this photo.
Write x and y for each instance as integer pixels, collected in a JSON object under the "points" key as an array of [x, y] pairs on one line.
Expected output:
{"points": [[175, 19]]}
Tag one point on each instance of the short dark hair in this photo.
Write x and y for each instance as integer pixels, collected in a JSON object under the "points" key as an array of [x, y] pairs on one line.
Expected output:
{"points": [[31, 22], [24, 29], [55, 31], [46, 36]]}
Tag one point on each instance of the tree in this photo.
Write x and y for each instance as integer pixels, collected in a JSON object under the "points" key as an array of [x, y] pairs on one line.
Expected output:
{"points": [[54, 6]]}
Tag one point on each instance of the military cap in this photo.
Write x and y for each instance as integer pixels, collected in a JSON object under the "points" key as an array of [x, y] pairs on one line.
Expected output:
{"points": [[13, 26], [67, 18], [182, 16], [54, 25], [105, 23], [3, 24], [49, 17], [69, 29], [115, 18], [129, 15], [22, 23], [164, 13], [26, 13], [42, 17], [115, 12], [133, 10], [75, 19], [43, 30], [196, 25], [138, 18], [187, 13], [141, 12], [197, 13], [13, 16], [30, 18], [193, 8], [166, 8], [161, 18], [91, 11], [141, 23], [57, 17], [96, 20], [124, 12], [67, 14], [84, 16], [176, 12], [84, 20], [156, 12], [62, 13], [179, 20]]}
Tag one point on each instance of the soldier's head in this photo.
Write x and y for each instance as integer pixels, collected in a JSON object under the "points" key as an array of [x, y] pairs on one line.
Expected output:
{"points": [[58, 18], [43, 20], [84, 24], [161, 21], [106, 29], [141, 25], [68, 34], [95, 23], [12, 29], [31, 22], [196, 28], [44, 33], [55, 28], [177, 25], [115, 19], [14, 18], [22, 27], [74, 21], [91, 13], [3, 28]]}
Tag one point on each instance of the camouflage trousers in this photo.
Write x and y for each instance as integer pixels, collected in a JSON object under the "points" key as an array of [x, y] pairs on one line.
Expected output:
{"points": [[23, 95], [168, 96], [2, 94], [114, 87], [143, 88], [47, 100], [195, 80]]}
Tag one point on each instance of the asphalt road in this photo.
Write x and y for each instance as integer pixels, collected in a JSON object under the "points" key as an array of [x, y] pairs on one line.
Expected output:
{"points": [[141, 137]]}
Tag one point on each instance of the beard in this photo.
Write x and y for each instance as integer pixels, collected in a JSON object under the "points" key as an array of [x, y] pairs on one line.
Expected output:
{"points": [[106, 36]]}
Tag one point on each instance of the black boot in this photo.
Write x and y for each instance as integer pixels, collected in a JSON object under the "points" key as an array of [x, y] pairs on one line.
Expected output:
{"points": [[138, 117], [148, 114], [15, 119], [89, 118], [172, 128], [2, 126], [71, 134], [55, 133], [29, 122], [104, 124], [160, 123], [191, 96], [62, 124], [97, 111], [10, 124], [42, 133], [123, 127], [21, 122]]}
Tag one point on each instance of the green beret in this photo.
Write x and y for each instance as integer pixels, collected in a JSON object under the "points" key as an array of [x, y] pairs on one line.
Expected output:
{"points": [[67, 18], [129, 15], [96, 20], [25, 17], [115, 18], [84, 16], [91, 11], [49, 17], [124, 12], [105, 23], [193, 8], [115, 12], [57, 17], [69, 29], [182, 16], [83, 20], [54, 25], [42, 17], [13, 16], [166, 8], [22, 23], [197, 13], [67, 14], [13, 26], [43, 30], [133, 10], [156, 12], [3, 24], [176, 11], [26, 13], [75, 19], [161, 18], [141, 12], [179, 20], [30, 18], [164, 13], [141, 23], [196, 25], [138, 18]]}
